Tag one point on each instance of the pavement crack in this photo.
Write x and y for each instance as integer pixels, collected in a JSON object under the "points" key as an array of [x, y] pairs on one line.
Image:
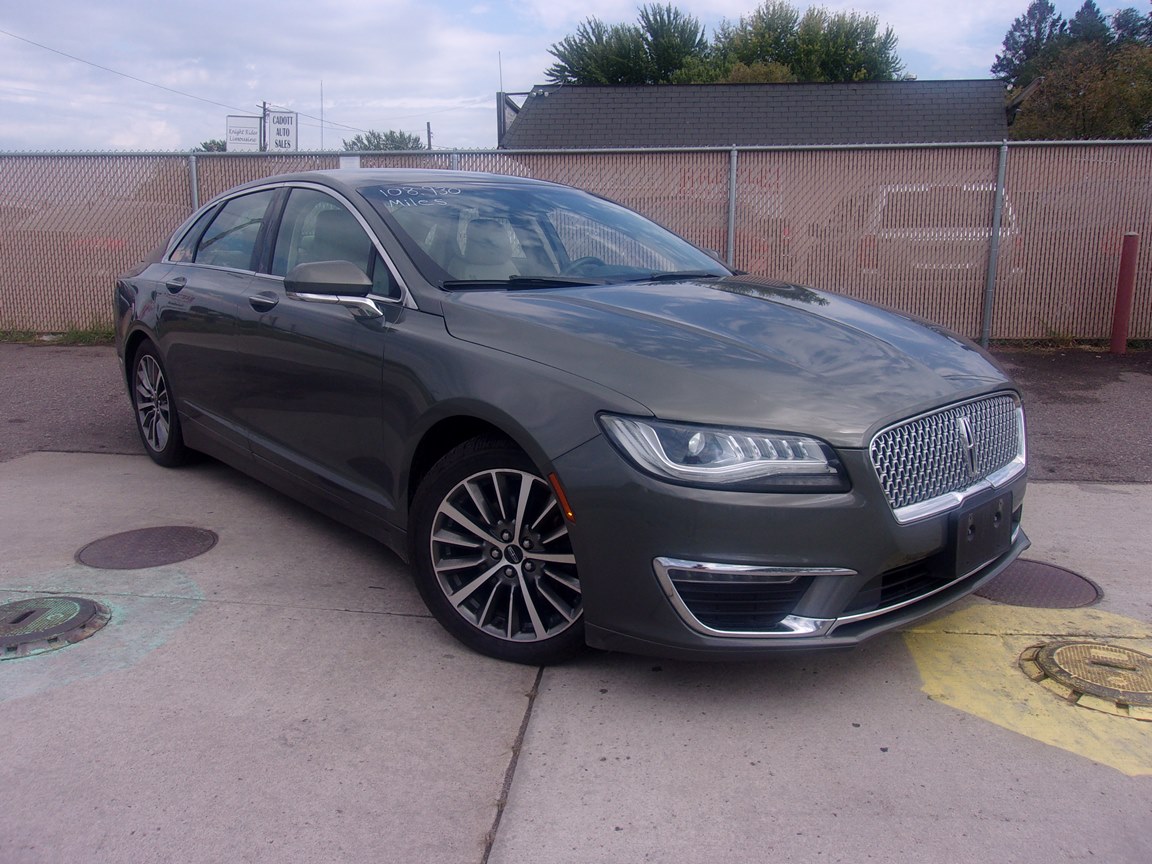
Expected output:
{"points": [[510, 772]]}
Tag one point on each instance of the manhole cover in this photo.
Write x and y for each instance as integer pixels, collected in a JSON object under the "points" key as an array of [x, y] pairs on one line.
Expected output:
{"points": [[46, 623], [1032, 583], [1094, 675], [147, 547]]}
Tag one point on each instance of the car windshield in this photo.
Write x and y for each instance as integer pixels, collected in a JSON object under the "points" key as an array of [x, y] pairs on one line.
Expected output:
{"points": [[510, 235]]}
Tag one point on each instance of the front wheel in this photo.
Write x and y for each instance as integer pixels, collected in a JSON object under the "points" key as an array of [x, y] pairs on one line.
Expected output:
{"points": [[492, 556], [155, 410]]}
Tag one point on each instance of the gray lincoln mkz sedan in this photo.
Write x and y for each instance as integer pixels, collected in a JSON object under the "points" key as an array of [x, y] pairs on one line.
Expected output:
{"points": [[576, 426]]}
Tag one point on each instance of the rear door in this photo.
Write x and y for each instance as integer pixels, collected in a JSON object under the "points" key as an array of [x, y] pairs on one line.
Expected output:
{"points": [[209, 275]]}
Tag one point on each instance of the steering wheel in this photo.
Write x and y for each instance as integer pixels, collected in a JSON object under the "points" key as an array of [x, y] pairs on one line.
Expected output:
{"points": [[580, 265]]}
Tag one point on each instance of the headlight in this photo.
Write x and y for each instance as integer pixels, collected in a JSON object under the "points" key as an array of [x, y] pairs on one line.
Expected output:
{"points": [[719, 457]]}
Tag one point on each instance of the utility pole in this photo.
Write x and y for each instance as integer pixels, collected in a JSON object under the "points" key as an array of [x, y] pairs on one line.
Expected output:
{"points": [[429, 134], [263, 127]]}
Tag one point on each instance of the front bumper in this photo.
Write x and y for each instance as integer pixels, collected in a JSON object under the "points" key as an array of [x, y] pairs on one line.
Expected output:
{"points": [[684, 572]]}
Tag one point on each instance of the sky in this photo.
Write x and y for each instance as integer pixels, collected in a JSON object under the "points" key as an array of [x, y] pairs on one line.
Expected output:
{"points": [[138, 75]]}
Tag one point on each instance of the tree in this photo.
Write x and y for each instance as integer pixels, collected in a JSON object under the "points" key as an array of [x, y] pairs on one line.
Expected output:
{"points": [[844, 46], [374, 141], [670, 39], [599, 54], [1091, 92], [1128, 25], [767, 36], [653, 51], [771, 44], [1094, 75], [1089, 25], [1027, 38], [212, 145], [818, 46]]}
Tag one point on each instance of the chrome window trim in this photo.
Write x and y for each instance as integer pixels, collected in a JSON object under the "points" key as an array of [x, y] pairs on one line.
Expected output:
{"points": [[406, 299], [216, 267]]}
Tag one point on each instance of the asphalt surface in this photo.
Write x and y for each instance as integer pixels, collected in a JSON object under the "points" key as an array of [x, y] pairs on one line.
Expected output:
{"points": [[1089, 412], [285, 697]]}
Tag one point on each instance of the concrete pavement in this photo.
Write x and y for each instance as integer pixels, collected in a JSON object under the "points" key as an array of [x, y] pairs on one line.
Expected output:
{"points": [[285, 697]]}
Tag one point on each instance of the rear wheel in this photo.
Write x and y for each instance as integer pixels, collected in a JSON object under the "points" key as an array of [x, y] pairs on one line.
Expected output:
{"points": [[492, 556], [155, 410]]}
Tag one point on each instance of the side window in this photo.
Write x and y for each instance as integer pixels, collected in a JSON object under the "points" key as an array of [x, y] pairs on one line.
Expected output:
{"points": [[317, 227], [185, 250], [230, 240]]}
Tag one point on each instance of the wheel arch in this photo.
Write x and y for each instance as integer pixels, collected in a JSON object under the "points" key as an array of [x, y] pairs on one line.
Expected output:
{"points": [[132, 343], [449, 432]]}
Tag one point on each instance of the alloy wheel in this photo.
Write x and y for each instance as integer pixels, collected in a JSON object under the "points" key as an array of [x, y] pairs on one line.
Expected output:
{"points": [[153, 408], [503, 558]]}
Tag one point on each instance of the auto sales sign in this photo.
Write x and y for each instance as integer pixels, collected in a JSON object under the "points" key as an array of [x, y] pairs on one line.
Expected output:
{"points": [[282, 130]]}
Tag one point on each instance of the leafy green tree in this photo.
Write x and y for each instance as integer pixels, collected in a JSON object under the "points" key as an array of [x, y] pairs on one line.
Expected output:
{"points": [[212, 145], [759, 73], [816, 46], [765, 38], [375, 141], [1030, 34], [653, 51], [1091, 91], [670, 39], [845, 46], [1094, 76], [773, 43]]}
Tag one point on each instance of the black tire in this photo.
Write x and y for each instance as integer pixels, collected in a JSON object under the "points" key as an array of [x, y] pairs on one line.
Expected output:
{"points": [[492, 558], [154, 408]]}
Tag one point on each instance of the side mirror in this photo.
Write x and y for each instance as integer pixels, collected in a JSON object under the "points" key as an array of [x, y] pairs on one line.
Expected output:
{"points": [[328, 278], [338, 282]]}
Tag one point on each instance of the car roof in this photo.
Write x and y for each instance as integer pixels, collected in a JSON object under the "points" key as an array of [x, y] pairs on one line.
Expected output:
{"points": [[359, 178]]}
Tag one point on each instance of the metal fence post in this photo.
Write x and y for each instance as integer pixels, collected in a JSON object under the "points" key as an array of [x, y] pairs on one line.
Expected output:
{"points": [[1125, 293], [994, 249], [731, 250], [193, 182]]}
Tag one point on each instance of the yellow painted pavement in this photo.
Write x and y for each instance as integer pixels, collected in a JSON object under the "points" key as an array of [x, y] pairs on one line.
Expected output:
{"points": [[969, 660]]}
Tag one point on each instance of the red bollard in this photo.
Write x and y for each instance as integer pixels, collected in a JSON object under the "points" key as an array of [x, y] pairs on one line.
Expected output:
{"points": [[1125, 289]]}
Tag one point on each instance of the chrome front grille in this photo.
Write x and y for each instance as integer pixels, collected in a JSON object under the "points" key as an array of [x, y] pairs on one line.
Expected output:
{"points": [[929, 463]]}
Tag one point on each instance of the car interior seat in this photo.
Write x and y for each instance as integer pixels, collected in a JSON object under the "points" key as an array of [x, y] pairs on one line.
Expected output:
{"points": [[487, 251], [339, 237]]}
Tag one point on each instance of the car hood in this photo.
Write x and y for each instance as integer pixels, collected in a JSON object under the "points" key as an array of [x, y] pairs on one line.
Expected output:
{"points": [[739, 351]]}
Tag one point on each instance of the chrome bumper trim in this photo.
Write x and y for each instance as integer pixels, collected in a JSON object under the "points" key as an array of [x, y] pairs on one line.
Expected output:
{"points": [[792, 627]]}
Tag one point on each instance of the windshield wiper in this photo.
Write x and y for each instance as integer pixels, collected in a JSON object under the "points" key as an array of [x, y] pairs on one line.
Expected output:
{"points": [[674, 276], [519, 283]]}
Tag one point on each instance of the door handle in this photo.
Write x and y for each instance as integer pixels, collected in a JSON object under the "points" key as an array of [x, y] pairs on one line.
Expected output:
{"points": [[264, 301], [174, 285]]}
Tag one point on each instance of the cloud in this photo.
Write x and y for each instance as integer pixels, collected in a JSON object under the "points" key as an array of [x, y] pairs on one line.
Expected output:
{"points": [[383, 64]]}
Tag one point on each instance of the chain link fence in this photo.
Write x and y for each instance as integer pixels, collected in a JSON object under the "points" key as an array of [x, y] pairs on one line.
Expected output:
{"points": [[906, 227]]}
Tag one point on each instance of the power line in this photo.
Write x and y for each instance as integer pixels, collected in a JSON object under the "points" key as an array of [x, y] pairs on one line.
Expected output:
{"points": [[123, 74], [326, 123], [154, 84]]}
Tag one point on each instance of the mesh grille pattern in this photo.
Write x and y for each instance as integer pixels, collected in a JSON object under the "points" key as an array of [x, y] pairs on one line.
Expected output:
{"points": [[935, 454], [748, 607]]}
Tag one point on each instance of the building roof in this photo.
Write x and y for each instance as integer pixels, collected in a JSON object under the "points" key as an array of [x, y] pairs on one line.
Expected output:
{"points": [[723, 115]]}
